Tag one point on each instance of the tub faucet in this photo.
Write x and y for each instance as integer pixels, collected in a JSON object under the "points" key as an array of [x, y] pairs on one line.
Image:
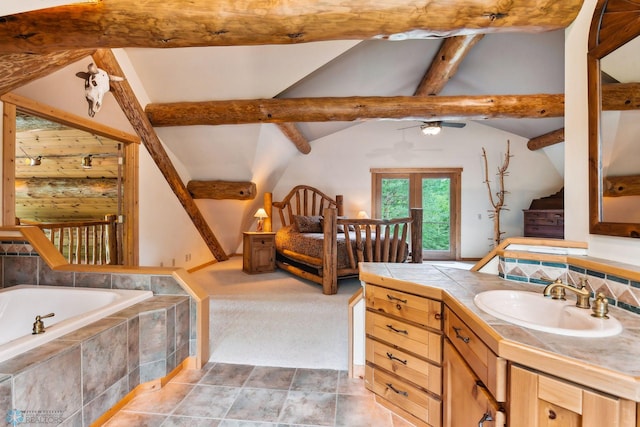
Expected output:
{"points": [[556, 291], [38, 325]]}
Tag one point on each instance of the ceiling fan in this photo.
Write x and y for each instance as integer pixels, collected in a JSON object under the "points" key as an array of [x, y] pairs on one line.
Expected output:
{"points": [[434, 128]]}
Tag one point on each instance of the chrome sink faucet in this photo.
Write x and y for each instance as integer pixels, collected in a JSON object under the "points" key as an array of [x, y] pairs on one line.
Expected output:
{"points": [[556, 290]]}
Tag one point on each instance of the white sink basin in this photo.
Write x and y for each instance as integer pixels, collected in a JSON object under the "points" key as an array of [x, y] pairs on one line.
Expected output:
{"points": [[533, 310]]}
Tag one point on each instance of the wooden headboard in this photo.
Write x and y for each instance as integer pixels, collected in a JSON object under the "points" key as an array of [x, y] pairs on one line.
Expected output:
{"points": [[307, 201]]}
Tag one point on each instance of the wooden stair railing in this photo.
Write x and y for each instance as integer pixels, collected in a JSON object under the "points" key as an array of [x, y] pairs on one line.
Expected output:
{"points": [[84, 242]]}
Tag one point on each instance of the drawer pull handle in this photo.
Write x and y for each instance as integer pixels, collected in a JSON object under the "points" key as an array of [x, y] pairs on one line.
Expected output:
{"points": [[392, 357], [438, 316], [392, 298], [485, 417], [397, 330], [395, 390], [463, 338]]}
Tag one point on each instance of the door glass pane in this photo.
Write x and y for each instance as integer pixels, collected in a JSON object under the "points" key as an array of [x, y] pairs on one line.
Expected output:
{"points": [[436, 205], [394, 198]]}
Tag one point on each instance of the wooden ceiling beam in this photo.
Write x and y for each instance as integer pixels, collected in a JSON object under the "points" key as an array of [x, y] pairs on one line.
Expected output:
{"points": [[615, 97], [291, 131], [19, 69], [546, 140], [122, 23], [355, 108], [620, 96], [445, 63], [130, 106]]}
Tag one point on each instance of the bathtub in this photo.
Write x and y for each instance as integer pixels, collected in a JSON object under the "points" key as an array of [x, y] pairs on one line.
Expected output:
{"points": [[73, 308]]}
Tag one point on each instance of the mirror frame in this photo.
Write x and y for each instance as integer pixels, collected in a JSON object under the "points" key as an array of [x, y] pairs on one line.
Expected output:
{"points": [[607, 33]]}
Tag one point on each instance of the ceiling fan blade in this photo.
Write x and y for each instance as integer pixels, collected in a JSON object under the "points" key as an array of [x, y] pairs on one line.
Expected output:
{"points": [[409, 127], [453, 124]]}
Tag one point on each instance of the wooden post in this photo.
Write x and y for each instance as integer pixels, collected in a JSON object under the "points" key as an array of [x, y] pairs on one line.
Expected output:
{"points": [[416, 235], [330, 255], [112, 239], [340, 205], [268, 208]]}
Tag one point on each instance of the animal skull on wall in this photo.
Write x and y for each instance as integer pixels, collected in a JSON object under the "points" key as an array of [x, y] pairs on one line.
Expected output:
{"points": [[96, 84]]}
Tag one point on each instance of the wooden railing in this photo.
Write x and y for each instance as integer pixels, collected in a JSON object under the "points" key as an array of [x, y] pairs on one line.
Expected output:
{"points": [[84, 242]]}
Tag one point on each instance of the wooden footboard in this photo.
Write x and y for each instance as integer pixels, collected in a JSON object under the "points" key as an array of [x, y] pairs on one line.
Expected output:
{"points": [[380, 240]]}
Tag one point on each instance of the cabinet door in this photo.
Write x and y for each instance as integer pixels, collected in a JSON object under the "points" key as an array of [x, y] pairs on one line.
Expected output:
{"points": [[466, 401], [538, 400]]}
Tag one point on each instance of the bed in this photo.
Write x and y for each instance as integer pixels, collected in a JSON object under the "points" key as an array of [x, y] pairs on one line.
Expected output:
{"points": [[316, 242]]}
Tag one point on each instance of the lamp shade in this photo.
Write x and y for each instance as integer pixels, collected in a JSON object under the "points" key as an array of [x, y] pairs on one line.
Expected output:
{"points": [[362, 215], [261, 213]]}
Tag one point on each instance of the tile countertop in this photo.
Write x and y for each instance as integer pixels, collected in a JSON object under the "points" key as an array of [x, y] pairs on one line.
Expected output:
{"points": [[610, 364]]}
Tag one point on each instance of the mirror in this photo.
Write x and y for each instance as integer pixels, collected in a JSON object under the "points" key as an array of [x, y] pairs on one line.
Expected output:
{"points": [[614, 123], [67, 173]]}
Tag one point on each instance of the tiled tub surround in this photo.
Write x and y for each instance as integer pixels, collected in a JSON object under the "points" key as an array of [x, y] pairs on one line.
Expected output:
{"points": [[77, 377], [619, 290], [27, 267]]}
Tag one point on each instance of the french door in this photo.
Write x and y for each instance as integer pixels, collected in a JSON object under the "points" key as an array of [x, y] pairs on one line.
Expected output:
{"points": [[436, 191]]}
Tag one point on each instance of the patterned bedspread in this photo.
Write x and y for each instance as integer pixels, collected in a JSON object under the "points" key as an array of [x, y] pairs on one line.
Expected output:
{"points": [[310, 244]]}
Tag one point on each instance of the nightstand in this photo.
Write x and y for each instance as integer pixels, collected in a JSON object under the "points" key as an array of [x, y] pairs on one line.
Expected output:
{"points": [[258, 252]]}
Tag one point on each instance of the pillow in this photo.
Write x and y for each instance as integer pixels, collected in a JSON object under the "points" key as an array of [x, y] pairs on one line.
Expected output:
{"points": [[308, 224], [340, 227]]}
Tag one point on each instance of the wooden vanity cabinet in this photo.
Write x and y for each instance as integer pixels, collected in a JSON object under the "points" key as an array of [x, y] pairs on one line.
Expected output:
{"points": [[474, 378], [404, 353], [466, 400], [541, 400]]}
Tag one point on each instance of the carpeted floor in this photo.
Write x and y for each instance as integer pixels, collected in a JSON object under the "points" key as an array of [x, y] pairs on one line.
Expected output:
{"points": [[275, 319]]}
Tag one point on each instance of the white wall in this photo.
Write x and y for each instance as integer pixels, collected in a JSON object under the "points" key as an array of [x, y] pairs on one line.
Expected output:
{"points": [[340, 164], [576, 149]]}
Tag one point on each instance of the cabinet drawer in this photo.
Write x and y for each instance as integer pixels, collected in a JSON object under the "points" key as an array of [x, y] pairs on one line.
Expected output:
{"points": [[417, 402], [531, 220], [423, 311], [485, 363], [257, 241], [555, 231], [406, 366], [405, 336]]}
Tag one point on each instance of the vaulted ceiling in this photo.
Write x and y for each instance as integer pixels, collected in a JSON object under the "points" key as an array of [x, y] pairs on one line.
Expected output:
{"points": [[313, 68]]}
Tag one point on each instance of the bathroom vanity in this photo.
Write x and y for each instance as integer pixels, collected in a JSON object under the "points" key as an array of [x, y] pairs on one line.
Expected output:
{"points": [[436, 359]]}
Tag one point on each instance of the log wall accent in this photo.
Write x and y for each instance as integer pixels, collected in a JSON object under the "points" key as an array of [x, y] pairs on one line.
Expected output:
{"points": [[620, 96], [355, 108], [221, 190], [617, 186], [174, 23], [133, 110]]}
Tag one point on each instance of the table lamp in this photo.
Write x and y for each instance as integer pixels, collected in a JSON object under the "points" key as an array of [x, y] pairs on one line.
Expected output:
{"points": [[261, 215]]}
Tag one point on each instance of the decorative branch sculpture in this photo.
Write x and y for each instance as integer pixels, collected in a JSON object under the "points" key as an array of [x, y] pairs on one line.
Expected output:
{"points": [[498, 204]]}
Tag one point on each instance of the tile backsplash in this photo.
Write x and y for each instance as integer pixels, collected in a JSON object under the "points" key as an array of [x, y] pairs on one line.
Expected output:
{"points": [[620, 291]]}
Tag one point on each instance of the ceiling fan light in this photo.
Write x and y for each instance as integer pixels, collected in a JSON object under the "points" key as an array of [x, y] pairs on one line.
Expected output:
{"points": [[431, 128]]}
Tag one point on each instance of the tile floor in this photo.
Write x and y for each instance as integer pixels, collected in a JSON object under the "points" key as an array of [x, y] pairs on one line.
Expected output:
{"points": [[228, 395]]}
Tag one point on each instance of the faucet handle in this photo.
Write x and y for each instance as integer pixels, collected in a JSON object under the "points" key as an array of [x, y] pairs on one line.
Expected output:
{"points": [[583, 283]]}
